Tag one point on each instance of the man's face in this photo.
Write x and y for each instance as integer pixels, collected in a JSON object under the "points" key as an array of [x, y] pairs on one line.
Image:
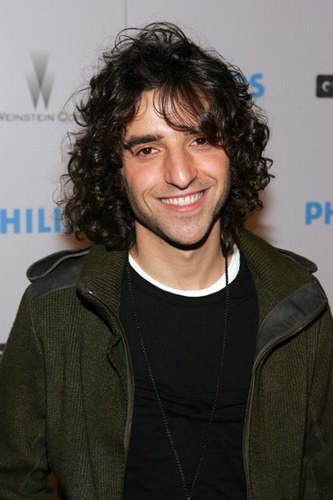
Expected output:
{"points": [[176, 182]]}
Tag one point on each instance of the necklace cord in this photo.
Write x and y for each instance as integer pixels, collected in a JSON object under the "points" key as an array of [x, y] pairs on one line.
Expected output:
{"points": [[188, 491]]}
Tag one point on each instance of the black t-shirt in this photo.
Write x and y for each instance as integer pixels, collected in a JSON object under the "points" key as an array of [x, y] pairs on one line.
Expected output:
{"points": [[183, 337]]}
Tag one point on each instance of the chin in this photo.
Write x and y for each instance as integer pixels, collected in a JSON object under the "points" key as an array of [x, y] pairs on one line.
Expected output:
{"points": [[189, 243]]}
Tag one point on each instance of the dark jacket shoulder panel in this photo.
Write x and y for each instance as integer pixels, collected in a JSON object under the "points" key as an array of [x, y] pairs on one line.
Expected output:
{"points": [[299, 259], [55, 272]]}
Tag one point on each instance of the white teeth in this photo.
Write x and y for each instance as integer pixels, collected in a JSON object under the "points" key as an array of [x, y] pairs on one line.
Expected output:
{"points": [[184, 200]]}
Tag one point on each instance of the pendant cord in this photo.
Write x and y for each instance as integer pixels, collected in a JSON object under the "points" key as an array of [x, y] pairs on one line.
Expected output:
{"points": [[188, 491]]}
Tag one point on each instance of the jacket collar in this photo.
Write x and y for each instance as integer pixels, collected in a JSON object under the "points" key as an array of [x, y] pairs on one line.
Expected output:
{"points": [[102, 275], [276, 271], [289, 297]]}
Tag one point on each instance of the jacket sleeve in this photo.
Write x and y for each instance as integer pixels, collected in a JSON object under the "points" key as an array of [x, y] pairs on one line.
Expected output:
{"points": [[23, 457], [319, 450]]}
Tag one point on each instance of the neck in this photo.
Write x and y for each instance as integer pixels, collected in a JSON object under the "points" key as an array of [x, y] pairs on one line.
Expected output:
{"points": [[185, 269]]}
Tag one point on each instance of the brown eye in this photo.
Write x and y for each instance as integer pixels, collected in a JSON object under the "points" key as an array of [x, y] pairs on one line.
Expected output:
{"points": [[146, 151], [201, 141]]}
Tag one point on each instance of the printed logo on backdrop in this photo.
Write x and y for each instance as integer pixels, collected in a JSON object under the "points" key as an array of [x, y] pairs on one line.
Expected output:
{"points": [[324, 87], [39, 81], [38, 86], [257, 87], [30, 221], [256, 84], [2, 347], [318, 212]]}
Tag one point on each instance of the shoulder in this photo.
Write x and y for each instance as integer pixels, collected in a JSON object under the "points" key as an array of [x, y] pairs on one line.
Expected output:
{"points": [[300, 260], [280, 272], [281, 275], [56, 271], [261, 252]]}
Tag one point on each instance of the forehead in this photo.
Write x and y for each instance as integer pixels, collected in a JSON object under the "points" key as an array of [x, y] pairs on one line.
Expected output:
{"points": [[176, 110], [148, 102], [147, 118]]}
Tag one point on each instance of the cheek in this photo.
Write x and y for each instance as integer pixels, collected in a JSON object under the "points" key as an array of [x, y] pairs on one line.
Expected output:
{"points": [[127, 182], [219, 169], [136, 183], [144, 180]]}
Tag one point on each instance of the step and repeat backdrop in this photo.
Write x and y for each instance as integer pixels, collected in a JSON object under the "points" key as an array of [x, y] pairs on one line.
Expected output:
{"points": [[50, 49]]}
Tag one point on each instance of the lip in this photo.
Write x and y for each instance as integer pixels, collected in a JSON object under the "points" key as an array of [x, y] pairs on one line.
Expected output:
{"points": [[184, 203]]}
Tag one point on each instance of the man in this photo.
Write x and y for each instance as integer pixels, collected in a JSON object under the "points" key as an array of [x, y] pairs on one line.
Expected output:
{"points": [[180, 357]]}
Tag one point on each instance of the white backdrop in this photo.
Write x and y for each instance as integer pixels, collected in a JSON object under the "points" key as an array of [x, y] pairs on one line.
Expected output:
{"points": [[49, 49]]}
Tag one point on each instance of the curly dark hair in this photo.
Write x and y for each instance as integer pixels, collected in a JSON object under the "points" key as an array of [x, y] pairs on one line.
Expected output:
{"points": [[198, 84]]}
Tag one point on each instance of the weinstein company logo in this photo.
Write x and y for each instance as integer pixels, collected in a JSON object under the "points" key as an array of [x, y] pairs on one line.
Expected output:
{"points": [[40, 84], [324, 87]]}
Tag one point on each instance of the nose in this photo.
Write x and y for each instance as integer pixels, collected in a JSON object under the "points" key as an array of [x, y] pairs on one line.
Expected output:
{"points": [[179, 168]]}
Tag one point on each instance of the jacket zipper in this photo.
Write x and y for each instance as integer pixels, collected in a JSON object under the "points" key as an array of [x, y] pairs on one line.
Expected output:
{"points": [[130, 377], [261, 356]]}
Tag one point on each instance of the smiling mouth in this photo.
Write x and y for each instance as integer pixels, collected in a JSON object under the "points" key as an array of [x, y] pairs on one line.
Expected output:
{"points": [[182, 201]]}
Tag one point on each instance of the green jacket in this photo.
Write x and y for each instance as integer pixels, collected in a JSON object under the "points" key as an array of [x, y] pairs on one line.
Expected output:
{"points": [[66, 382]]}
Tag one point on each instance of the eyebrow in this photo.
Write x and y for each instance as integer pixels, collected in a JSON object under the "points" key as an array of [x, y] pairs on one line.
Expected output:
{"points": [[137, 140]]}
